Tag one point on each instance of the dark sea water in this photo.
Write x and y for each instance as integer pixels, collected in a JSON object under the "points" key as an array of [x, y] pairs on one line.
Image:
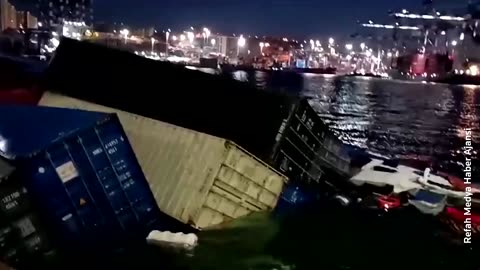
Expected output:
{"points": [[329, 236], [402, 119], [398, 118]]}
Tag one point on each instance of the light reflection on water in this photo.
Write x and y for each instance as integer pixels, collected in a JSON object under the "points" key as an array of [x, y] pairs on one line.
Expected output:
{"points": [[395, 117], [391, 117]]}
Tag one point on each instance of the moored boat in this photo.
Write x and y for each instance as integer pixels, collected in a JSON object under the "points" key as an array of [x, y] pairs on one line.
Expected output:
{"points": [[385, 172], [403, 178]]}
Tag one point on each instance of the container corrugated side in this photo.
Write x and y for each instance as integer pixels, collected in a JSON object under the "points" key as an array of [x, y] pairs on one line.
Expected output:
{"points": [[243, 185], [307, 149], [90, 188], [196, 178]]}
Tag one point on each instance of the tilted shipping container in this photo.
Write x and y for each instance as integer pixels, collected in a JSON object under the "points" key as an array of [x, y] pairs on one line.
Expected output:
{"points": [[82, 174], [196, 178], [22, 236], [8, 237], [283, 131]]}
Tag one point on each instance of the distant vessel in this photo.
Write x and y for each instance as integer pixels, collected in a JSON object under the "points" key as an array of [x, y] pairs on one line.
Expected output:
{"points": [[429, 45]]}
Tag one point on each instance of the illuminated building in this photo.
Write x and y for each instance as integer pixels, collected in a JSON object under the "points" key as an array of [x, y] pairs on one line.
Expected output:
{"points": [[52, 13], [8, 15], [26, 20]]}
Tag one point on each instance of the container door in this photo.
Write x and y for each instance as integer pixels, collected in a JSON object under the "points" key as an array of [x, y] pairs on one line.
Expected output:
{"points": [[107, 177], [302, 145], [50, 195], [92, 185], [64, 158], [243, 185], [260, 183], [309, 148], [129, 175]]}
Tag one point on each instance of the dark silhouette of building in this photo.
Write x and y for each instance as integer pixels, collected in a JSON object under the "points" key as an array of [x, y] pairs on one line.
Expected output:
{"points": [[53, 12]]}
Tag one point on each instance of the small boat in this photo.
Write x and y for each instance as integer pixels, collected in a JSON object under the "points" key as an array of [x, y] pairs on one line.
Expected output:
{"points": [[403, 178], [387, 172]]}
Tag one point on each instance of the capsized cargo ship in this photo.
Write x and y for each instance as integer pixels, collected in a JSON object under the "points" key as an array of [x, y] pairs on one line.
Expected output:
{"points": [[283, 131], [199, 179], [81, 174]]}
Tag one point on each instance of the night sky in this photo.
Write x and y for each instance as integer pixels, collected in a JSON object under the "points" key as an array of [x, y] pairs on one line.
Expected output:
{"points": [[295, 18]]}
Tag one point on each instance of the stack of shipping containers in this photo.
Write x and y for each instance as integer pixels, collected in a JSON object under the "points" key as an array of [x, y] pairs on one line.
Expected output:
{"points": [[90, 192], [199, 179], [236, 150], [283, 131]]}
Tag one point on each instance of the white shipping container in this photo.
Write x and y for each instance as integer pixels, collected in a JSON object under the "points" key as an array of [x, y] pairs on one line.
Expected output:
{"points": [[196, 178]]}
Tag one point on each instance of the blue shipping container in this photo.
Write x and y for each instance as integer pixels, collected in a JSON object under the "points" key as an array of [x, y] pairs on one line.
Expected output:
{"points": [[296, 196], [82, 174]]}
